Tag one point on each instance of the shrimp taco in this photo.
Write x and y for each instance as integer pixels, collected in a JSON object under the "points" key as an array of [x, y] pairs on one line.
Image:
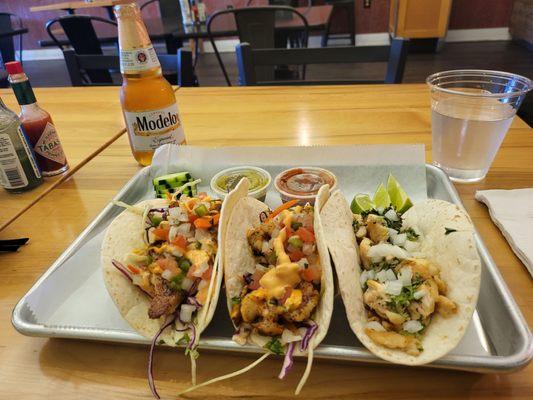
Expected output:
{"points": [[409, 281], [278, 279], [162, 266]]}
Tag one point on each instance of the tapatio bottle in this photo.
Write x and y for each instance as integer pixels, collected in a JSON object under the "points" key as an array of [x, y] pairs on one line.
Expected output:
{"points": [[148, 100]]}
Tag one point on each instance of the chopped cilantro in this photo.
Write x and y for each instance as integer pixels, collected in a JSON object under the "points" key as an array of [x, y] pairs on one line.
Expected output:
{"points": [[295, 225], [161, 342], [275, 346], [400, 302], [411, 234], [449, 230], [235, 300], [194, 353]]}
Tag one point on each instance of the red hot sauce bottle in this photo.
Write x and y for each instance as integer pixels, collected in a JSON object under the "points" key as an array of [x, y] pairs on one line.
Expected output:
{"points": [[37, 123]]}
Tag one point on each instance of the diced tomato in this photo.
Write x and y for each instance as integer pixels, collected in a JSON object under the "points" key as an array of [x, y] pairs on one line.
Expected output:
{"points": [[203, 222], [133, 269], [296, 255], [216, 218], [180, 241], [192, 217], [201, 296], [169, 264], [207, 274], [288, 232], [286, 294], [190, 272], [311, 274], [256, 277], [306, 235], [161, 233]]}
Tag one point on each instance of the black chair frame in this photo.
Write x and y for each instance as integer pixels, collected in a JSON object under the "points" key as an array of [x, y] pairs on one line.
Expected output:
{"points": [[76, 63], [248, 58], [6, 43], [241, 11]]}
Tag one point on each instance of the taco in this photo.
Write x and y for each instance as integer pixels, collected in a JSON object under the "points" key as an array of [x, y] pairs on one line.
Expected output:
{"points": [[161, 263], [409, 282], [278, 278]]}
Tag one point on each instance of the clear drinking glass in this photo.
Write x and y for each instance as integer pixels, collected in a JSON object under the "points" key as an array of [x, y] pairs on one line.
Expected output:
{"points": [[471, 111]]}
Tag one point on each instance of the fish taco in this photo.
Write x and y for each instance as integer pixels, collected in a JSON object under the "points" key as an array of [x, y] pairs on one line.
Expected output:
{"points": [[410, 280], [162, 266], [278, 278]]}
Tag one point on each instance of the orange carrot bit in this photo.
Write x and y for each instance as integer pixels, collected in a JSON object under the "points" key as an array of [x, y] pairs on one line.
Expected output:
{"points": [[279, 209], [204, 222], [133, 270], [216, 218]]}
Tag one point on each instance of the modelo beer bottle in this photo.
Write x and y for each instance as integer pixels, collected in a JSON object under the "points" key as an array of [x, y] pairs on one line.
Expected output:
{"points": [[148, 101]]}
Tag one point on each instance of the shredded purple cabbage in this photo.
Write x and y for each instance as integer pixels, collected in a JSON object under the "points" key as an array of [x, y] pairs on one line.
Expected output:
{"points": [[127, 274], [287, 361], [247, 278], [192, 340], [151, 381], [311, 329], [193, 302]]}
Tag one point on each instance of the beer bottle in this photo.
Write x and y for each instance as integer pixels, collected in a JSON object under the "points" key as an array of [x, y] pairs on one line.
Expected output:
{"points": [[148, 101], [18, 169], [37, 124]]}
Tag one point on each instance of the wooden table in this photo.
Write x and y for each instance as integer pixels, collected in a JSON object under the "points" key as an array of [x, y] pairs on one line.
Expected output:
{"points": [[71, 6], [36, 368], [86, 121]]}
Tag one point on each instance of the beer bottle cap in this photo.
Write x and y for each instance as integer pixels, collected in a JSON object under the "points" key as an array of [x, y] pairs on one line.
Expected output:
{"points": [[14, 67]]}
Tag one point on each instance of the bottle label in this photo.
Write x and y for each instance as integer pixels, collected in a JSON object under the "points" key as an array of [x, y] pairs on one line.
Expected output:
{"points": [[49, 145], [12, 175], [29, 152], [141, 59], [150, 129]]}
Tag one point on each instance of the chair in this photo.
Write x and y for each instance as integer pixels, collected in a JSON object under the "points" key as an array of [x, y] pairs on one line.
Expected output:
{"points": [[171, 19], [248, 59], [77, 64], [341, 8], [10, 23], [82, 37], [257, 26]]}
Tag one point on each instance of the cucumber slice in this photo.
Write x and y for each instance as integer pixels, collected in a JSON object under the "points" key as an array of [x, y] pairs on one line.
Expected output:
{"points": [[173, 180]]}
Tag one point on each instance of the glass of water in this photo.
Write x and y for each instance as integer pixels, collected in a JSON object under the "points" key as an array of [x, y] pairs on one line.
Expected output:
{"points": [[471, 111]]}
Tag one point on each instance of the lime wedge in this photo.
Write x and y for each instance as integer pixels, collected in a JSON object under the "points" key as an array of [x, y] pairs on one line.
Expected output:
{"points": [[398, 197], [381, 197], [360, 203]]}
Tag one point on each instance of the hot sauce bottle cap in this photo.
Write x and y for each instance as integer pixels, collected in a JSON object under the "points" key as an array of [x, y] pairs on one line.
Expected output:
{"points": [[14, 67]]}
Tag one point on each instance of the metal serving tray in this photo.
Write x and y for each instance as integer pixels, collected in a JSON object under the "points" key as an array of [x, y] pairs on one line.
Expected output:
{"points": [[497, 340]]}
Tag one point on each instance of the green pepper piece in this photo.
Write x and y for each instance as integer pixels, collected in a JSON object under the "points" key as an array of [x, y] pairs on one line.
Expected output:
{"points": [[295, 241], [185, 264], [155, 220], [295, 225], [201, 210]]}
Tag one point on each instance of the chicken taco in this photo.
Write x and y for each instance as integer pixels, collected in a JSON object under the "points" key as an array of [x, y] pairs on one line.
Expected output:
{"points": [[162, 267], [409, 281], [278, 279]]}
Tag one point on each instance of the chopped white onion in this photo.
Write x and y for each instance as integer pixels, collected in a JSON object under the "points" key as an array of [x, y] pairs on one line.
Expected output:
{"points": [[380, 210], [399, 240], [385, 275], [175, 250], [203, 283], [202, 234], [393, 287], [184, 229], [392, 233], [186, 284], [391, 276], [411, 246], [363, 278], [288, 336], [391, 215], [382, 250], [151, 236], [178, 214], [265, 247], [419, 294], [234, 286], [371, 274], [166, 274], [375, 326], [186, 311], [200, 269], [172, 233], [412, 326], [405, 276], [132, 258], [308, 248]]}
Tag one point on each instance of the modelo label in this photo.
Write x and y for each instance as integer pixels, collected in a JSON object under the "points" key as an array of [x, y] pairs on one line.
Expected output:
{"points": [[150, 129], [141, 59]]}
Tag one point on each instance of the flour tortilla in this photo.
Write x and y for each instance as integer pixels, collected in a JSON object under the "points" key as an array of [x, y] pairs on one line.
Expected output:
{"points": [[455, 254], [124, 234], [239, 259]]}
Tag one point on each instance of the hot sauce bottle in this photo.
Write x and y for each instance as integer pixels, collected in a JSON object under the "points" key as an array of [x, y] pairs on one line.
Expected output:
{"points": [[37, 124]]}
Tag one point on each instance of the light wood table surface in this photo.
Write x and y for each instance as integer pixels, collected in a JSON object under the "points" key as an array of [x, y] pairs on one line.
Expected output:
{"points": [[74, 5], [87, 119], [35, 368]]}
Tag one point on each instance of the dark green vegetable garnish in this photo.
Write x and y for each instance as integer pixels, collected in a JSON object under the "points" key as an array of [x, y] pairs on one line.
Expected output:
{"points": [[295, 241], [411, 234], [295, 225], [155, 220], [449, 230], [198, 245], [185, 264], [235, 300], [271, 258], [184, 339], [175, 283], [201, 210], [275, 346]]}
